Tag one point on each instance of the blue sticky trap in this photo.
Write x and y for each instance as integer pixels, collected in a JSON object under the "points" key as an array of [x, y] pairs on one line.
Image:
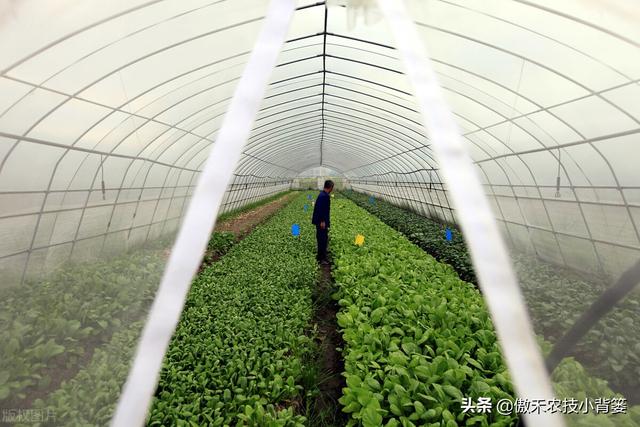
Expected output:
{"points": [[448, 234], [308, 196], [371, 199], [306, 207], [295, 230]]}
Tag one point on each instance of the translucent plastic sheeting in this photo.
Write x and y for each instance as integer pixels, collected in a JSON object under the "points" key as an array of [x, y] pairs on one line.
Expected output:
{"points": [[108, 111], [495, 275], [565, 206], [200, 218]]}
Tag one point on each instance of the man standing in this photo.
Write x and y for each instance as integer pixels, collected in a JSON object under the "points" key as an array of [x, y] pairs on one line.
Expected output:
{"points": [[321, 219]]}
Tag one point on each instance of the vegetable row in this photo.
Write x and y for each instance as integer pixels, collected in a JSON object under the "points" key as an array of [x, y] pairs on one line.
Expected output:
{"points": [[555, 299], [68, 340], [50, 326], [429, 235], [418, 339], [239, 352]]}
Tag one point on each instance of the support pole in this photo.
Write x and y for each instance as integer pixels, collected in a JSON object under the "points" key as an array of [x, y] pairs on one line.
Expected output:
{"points": [[488, 253], [201, 216]]}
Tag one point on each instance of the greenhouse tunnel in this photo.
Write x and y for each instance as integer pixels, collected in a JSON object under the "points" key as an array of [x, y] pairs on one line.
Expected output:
{"points": [[109, 111]]}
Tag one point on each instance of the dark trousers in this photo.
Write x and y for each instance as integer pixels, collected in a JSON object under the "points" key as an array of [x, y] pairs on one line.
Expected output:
{"points": [[322, 236]]}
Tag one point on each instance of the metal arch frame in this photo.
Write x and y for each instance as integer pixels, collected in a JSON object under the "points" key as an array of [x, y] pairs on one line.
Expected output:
{"points": [[122, 67], [132, 163], [585, 222], [541, 65], [97, 205], [606, 160], [282, 144], [485, 105], [115, 147], [444, 207], [304, 137], [296, 116], [498, 205], [529, 226], [336, 167], [420, 147], [67, 149], [289, 110], [354, 116], [165, 313], [368, 131], [340, 134], [537, 33], [237, 194], [514, 173], [352, 119], [562, 233], [324, 80], [93, 236], [527, 166], [580, 21], [4, 73], [591, 93], [517, 94], [419, 205], [402, 166], [269, 134], [235, 191], [75, 95]]}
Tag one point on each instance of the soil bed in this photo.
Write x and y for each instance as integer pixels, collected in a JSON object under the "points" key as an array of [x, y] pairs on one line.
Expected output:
{"points": [[245, 222], [325, 408]]}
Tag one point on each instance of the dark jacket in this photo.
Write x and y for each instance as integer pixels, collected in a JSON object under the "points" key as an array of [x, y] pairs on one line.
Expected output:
{"points": [[321, 209]]}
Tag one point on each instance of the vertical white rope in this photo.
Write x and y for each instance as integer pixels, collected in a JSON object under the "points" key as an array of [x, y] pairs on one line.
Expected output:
{"points": [[489, 255], [200, 217]]}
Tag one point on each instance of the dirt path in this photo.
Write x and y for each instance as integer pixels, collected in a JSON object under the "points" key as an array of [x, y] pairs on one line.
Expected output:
{"points": [[326, 408], [244, 223]]}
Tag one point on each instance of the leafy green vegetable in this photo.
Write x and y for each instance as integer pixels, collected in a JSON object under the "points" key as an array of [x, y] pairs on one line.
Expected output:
{"points": [[427, 233], [219, 244], [555, 297], [238, 354], [418, 339], [90, 397], [55, 324], [50, 325]]}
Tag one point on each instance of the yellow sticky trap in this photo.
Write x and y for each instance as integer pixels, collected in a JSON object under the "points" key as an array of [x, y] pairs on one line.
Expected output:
{"points": [[359, 240]]}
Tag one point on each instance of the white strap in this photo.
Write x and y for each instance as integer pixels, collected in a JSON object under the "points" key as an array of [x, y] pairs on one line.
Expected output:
{"points": [[200, 217], [489, 255]]}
